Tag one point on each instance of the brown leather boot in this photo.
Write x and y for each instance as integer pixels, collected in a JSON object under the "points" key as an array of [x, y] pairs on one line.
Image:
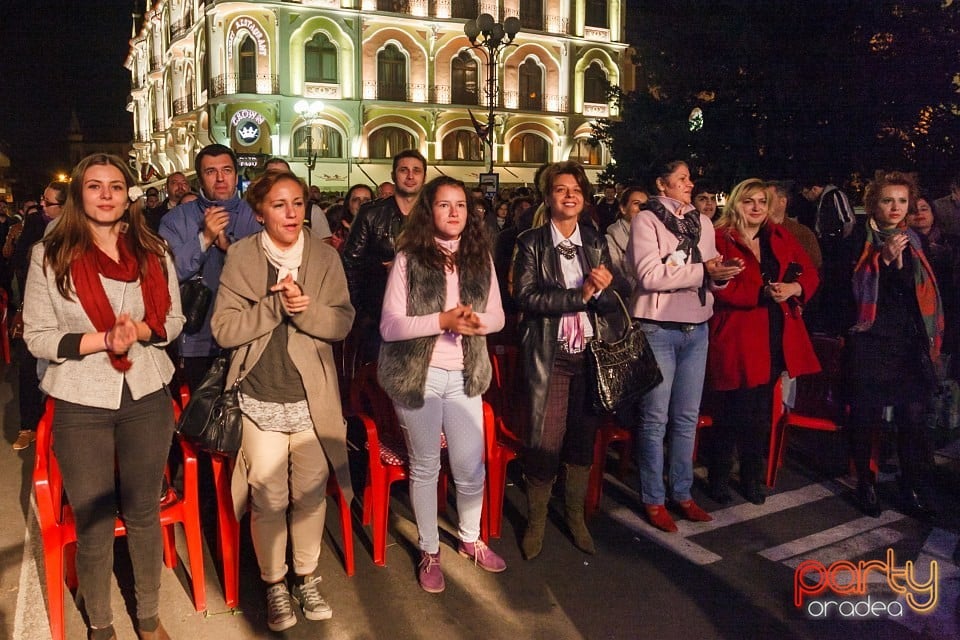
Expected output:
{"points": [[578, 477], [538, 500]]}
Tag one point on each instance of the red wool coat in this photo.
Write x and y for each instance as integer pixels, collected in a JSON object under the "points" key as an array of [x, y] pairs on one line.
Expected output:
{"points": [[739, 356]]}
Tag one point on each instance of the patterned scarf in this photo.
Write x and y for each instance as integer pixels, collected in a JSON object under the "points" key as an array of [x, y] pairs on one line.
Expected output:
{"points": [[866, 284], [687, 231]]}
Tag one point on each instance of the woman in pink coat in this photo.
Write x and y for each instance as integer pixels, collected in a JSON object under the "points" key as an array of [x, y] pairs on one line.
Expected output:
{"points": [[756, 332]]}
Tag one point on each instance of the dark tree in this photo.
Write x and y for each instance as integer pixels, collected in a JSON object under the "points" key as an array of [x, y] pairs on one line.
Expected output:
{"points": [[793, 89]]}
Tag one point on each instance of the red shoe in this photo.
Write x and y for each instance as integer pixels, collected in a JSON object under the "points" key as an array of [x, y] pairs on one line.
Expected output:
{"points": [[658, 516], [691, 511]]}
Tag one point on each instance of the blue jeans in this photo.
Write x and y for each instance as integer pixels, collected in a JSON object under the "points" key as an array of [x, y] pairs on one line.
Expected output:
{"points": [[446, 407], [682, 356]]}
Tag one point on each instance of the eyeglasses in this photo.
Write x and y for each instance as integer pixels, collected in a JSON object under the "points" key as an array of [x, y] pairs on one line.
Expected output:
{"points": [[50, 203]]}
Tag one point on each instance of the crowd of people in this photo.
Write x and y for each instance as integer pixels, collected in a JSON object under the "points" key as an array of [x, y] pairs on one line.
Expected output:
{"points": [[422, 272]]}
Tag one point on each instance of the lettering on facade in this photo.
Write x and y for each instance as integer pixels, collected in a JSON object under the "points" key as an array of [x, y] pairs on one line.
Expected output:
{"points": [[253, 28]]}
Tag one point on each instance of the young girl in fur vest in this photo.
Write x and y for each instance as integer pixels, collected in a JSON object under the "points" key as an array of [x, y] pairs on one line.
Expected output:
{"points": [[442, 299]]}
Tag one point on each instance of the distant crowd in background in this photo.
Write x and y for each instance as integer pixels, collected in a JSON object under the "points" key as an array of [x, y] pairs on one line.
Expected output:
{"points": [[727, 284]]}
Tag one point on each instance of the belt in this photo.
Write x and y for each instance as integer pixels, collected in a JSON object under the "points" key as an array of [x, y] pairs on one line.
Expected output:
{"points": [[686, 327]]}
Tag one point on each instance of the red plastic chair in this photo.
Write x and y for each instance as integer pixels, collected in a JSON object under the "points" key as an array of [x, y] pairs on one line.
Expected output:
{"points": [[59, 535], [502, 442], [386, 455], [818, 405], [228, 528], [608, 432]]}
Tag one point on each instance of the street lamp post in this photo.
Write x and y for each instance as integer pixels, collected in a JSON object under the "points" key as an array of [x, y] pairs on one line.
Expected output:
{"points": [[492, 37], [309, 112]]}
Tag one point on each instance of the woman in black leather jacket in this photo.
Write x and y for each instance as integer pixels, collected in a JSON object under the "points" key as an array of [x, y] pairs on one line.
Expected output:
{"points": [[560, 277]]}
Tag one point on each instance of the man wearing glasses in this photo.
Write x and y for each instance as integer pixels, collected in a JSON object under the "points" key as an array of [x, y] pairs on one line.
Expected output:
{"points": [[34, 226]]}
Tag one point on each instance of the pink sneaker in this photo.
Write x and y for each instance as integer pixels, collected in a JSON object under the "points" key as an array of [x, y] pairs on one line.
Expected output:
{"points": [[482, 556], [431, 577]]}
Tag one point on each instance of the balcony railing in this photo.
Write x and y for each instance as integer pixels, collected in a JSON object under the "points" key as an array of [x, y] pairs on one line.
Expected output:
{"points": [[540, 102], [231, 83], [183, 105], [180, 28]]}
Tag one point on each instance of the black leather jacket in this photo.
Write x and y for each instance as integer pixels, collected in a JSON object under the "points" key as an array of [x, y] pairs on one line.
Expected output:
{"points": [[370, 245], [540, 292]]}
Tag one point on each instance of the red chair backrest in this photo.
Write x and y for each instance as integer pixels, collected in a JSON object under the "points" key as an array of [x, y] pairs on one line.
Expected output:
{"points": [[368, 397], [507, 393]]}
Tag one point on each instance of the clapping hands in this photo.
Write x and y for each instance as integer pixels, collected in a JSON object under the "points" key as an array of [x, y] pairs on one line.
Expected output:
{"points": [[463, 320], [292, 297]]}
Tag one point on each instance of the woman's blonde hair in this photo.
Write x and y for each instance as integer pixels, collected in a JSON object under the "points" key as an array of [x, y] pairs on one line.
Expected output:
{"points": [[731, 218], [71, 237]]}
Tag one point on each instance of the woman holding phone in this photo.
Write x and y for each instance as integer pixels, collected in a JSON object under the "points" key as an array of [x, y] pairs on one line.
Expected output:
{"points": [[756, 333]]}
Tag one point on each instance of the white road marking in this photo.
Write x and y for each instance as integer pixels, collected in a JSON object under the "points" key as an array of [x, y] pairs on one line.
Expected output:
{"points": [[829, 536]]}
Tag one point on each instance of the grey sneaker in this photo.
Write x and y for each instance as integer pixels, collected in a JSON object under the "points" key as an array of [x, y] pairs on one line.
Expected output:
{"points": [[308, 595], [280, 615]]}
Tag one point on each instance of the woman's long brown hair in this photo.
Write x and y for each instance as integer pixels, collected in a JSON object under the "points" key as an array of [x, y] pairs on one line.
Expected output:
{"points": [[71, 237]]}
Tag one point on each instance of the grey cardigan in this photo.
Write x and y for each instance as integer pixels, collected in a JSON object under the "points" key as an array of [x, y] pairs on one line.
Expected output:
{"points": [[91, 380]]}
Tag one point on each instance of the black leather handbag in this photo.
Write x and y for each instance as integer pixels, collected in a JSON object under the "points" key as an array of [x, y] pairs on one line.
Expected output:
{"points": [[195, 299], [213, 418], [621, 372]]}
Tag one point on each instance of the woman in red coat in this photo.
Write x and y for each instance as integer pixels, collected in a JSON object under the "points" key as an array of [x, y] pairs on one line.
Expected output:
{"points": [[756, 333]]}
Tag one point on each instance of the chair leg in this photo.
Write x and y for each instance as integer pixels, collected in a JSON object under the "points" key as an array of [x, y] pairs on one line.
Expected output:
{"points": [[192, 532], [346, 528], [367, 504], [381, 510], [228, 538], [778, 441], [595, 483], [54, 567]]}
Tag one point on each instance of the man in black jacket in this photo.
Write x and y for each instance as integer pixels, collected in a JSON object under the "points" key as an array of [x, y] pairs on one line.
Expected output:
{"points": [[370, 248]]}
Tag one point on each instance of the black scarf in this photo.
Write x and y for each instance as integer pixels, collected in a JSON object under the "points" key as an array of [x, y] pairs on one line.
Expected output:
{"points": [[687, 231]]}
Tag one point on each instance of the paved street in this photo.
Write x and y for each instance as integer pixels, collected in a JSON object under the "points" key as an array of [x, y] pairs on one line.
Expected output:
{"points": [[731, 578]]}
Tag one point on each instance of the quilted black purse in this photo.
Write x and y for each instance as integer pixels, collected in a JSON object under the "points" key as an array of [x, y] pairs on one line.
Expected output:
{"points": [[195, 299], [213, 418], [623, 371]]}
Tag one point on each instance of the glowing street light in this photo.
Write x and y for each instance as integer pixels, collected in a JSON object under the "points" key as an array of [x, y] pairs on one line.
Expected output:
{"points": [[492, 37], [309, 111]]}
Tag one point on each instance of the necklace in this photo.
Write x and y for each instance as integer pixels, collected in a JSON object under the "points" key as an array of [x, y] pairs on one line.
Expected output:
{"points": [[567, 250]]}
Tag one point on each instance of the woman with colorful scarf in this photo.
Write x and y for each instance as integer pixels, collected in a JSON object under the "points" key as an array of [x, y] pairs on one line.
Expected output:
{"points": [[896, 339], [673, 252], [100, 304]]}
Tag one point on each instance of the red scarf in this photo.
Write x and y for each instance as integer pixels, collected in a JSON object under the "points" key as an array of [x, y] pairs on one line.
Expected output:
{"points": [[86, 270]]}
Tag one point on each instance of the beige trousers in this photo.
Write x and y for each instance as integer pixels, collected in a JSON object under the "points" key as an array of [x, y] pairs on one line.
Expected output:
{"points": [[286, 472]]}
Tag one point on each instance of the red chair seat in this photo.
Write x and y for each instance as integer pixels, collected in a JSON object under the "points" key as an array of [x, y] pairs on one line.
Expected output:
{"points": [[503, 444]]}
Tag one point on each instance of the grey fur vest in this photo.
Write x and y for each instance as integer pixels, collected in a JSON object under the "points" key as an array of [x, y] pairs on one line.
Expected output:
{"points": [[402, 366]]}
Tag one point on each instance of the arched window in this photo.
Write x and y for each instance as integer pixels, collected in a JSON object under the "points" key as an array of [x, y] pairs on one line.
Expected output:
{"points": [[531, 14], [389, 141], [320, 139], [463, 78], [320, 59], [391, 74], [528, 147], [462, 145], [587, 152], [595, 84], [531, 86], [467, 9], [596, 14], [247, 71]]}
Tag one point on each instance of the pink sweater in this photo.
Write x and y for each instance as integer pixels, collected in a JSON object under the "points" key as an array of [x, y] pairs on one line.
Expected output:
{"points": [[396, 325]]}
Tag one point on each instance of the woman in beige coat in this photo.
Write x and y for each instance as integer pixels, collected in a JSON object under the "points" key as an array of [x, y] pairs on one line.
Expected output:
{"points": [[282, 303]]}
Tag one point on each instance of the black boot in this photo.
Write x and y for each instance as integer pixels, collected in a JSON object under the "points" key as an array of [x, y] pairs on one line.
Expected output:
{"points": [[751, 485], [867, 498]]}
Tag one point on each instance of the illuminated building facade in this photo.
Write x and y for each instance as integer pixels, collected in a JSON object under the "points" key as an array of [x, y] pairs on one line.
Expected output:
{"points": [[380, 76]]}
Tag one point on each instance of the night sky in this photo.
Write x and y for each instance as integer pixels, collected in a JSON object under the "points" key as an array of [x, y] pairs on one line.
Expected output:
{"points": [[56, 57]]}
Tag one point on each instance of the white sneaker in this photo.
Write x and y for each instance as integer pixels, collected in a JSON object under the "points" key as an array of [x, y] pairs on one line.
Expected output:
{"points": [[308, 595]]}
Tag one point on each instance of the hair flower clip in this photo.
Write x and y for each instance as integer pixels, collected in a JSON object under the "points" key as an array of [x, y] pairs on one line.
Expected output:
{"points": [[134, 193]]}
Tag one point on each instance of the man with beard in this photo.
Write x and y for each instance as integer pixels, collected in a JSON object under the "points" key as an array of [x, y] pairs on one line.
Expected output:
{"points": [[369, 250]]}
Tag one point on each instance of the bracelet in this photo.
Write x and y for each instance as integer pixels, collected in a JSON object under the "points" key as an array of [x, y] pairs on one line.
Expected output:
{"points": [[106, 345]]}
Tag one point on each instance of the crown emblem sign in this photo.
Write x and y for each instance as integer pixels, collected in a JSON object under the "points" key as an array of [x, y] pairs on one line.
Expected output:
{"points": [[248, 132]]}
